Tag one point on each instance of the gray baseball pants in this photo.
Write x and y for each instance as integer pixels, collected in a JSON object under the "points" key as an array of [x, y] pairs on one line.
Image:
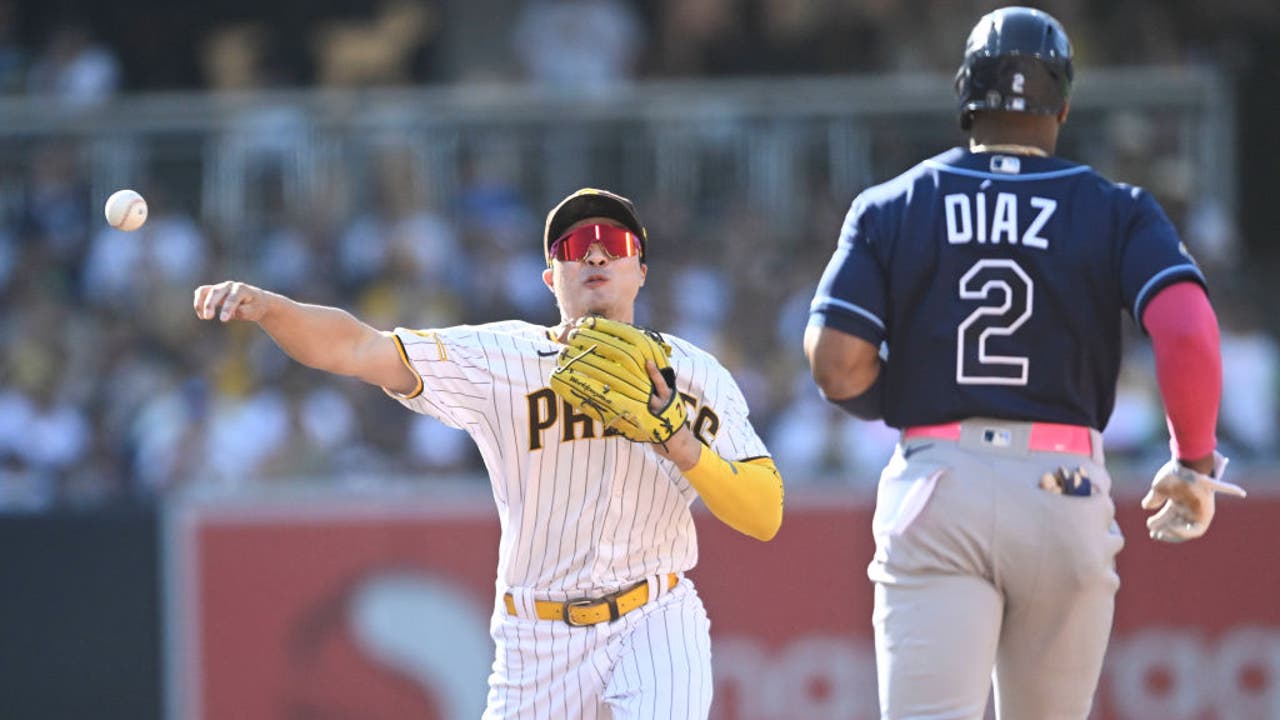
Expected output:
{"points": [[982, 576]]}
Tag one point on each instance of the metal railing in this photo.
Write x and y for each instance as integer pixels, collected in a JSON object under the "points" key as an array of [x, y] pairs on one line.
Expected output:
{"points": [[760, 141]]}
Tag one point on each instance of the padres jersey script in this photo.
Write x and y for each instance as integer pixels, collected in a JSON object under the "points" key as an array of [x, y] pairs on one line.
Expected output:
{"points": [[996, 282], [582, 512]]}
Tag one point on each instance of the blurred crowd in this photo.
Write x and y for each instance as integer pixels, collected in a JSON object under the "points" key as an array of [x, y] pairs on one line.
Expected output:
{"points": [[111, 390], [82, 52]]}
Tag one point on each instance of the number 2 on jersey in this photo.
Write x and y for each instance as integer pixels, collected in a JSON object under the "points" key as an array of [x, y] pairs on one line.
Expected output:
{"points": [[1006, 293]]}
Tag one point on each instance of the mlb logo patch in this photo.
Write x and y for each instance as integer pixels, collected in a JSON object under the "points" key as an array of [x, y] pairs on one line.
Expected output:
{"points": [[1006, 164], [997, 437]]}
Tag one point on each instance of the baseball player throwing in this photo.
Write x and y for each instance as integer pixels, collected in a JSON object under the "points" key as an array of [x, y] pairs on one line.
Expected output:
{"points": [[994, 276], [597, 436]]}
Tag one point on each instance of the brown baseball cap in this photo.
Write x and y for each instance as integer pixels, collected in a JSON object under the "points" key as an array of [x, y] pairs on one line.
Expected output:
{"points": [[587, 203]]}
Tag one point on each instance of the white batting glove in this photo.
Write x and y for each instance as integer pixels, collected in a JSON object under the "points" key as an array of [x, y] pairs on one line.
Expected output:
{"points": [[1187, 499]]}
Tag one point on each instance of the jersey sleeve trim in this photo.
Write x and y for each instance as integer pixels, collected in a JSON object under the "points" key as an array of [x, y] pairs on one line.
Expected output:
{"points": [[847, 318], [404, 358], [1162, 279], [848, 324], [433, 337], [823, 303]]}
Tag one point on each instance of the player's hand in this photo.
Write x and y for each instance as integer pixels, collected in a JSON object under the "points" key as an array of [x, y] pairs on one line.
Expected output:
{"points": [[683, 448], [661, 391], [1185, 500], [230, 300]]}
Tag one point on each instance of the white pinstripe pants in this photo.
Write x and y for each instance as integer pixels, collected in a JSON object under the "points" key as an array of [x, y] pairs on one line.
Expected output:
{"points": [[654, 662]]}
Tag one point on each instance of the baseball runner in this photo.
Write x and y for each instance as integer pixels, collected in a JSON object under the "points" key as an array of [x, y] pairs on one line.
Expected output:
{"points": [[994, 276], [597, 437]]}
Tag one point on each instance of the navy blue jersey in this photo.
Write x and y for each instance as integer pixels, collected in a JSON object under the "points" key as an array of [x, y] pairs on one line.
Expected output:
{"points": [[997, 283]]}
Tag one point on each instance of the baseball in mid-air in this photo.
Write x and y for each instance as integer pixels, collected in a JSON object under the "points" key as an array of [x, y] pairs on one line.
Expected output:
{"points": [[126, 210]]}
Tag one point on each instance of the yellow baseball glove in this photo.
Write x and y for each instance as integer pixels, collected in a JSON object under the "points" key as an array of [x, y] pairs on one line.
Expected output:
{"points": [[601, 373]]}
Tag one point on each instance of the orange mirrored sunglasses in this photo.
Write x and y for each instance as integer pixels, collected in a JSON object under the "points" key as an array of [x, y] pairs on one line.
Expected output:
{"points": [[615, 241]]}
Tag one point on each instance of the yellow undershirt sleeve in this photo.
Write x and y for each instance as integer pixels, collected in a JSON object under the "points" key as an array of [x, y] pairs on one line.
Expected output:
{"points": [[745, 495]]}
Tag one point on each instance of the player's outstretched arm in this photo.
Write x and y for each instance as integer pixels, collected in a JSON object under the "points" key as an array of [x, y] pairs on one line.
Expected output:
{"points": [[325, 338]]}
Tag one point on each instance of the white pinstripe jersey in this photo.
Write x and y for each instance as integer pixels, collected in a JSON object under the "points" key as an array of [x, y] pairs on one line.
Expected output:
{"points": [[581, 514]]}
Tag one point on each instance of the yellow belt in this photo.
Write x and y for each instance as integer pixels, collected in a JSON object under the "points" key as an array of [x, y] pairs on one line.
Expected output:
{"points": [[590, 611]]}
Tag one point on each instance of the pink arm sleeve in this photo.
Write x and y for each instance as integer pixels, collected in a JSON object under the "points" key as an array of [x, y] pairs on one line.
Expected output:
{"points": [[1184, 335]]}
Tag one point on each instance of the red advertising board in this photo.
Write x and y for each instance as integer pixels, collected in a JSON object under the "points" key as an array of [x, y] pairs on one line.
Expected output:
{"points": [[343, 609]]}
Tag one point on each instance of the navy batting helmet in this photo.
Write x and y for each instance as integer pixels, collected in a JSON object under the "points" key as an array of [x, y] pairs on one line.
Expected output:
{"points": [[1017, 59]]}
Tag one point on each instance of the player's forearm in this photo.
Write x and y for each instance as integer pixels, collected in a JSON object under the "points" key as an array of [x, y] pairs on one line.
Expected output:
{"points": [[1184, 338], [746, 496], [325, 338]]}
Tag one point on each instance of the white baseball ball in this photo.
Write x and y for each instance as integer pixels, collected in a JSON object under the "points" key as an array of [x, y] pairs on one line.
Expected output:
{"points": [[126, 210]]}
